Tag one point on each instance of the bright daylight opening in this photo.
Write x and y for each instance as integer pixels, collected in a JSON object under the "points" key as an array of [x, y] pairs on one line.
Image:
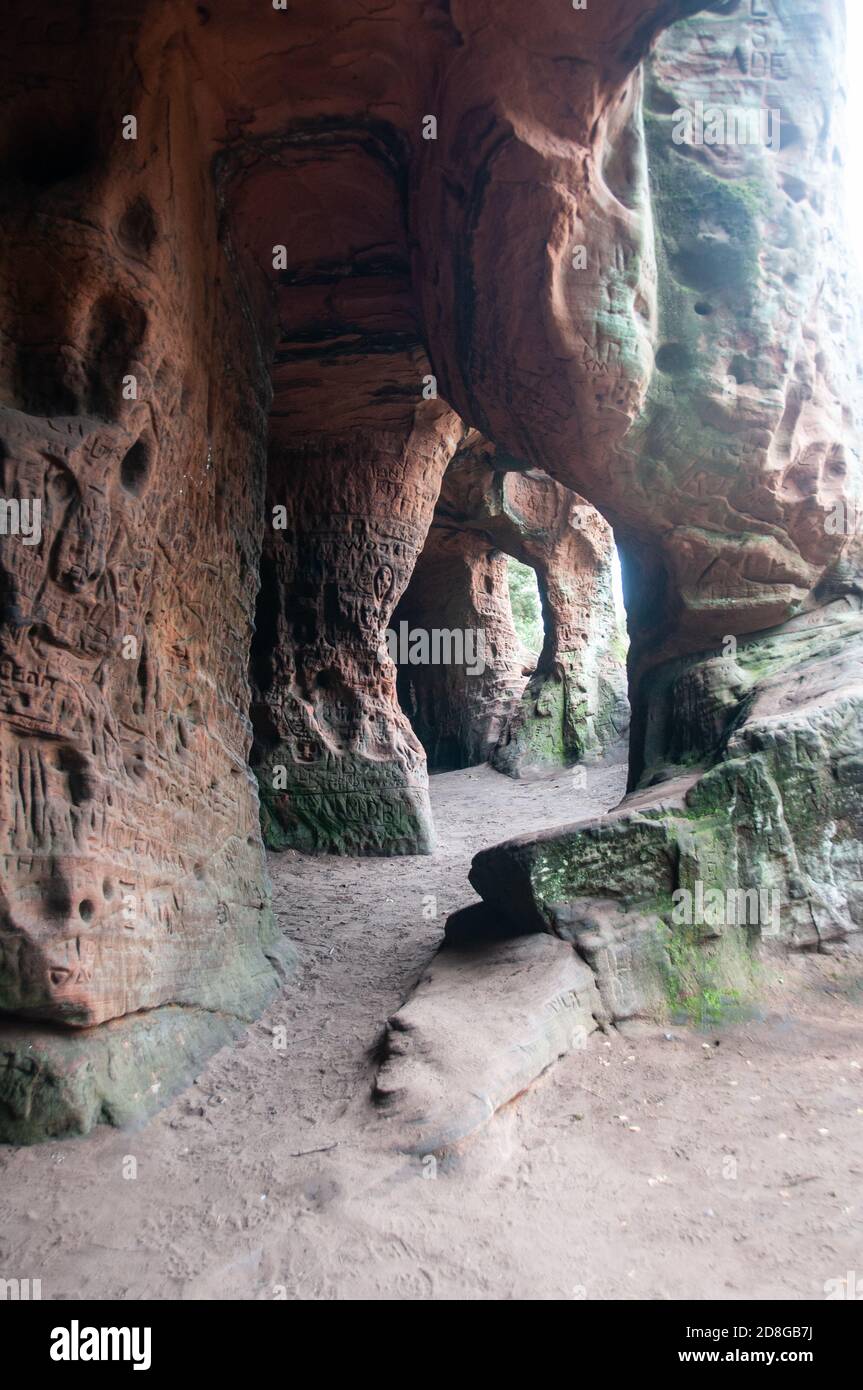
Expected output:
{"points": [[852, 145], [526, 604]]}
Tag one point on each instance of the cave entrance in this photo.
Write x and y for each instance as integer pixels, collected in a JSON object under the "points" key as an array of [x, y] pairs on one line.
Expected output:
{"points": [[462, 663], [549, 690]]}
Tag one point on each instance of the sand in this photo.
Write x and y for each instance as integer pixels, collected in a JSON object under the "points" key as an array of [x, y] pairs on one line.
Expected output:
{"points": [[661, 1163]]}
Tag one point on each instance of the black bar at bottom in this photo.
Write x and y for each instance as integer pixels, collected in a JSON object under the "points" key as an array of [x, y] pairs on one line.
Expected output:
{"points": [[85, 1339]]}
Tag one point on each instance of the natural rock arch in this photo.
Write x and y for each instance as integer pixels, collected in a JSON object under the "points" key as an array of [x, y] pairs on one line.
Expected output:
{"points": [[573, 706]]}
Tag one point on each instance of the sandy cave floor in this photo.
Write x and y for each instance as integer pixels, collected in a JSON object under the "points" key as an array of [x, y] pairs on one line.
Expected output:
{"points": [[701, 1165]]}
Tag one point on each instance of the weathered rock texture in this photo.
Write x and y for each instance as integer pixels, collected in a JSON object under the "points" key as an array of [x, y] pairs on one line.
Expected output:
{"points": [[358, 447], [574, 704], [278, 239], [491, 1013], [749, 435], [739, 461], [338, 764], [133, 876], [667, 895]]}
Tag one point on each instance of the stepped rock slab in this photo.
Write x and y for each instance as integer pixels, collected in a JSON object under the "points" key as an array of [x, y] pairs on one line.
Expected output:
{"points": [[486, 1019]]}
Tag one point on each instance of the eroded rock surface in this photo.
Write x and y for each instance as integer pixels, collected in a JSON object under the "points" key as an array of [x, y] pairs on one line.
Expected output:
{"points": [[338, 764], [669, 895], [133, 876], [490, 1014]]}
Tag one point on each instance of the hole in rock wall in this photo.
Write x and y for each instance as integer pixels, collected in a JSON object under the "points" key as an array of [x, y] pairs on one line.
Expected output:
{"points": [[135, 468], [526, 605], [138, 230], [620, 639]]}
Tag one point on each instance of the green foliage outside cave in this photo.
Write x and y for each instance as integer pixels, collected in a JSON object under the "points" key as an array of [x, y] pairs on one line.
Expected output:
{"points": [[525, 603]]}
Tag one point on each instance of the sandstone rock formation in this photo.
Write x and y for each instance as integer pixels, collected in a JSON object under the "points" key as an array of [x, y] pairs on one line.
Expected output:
{"points": [[133, 876], [574, 704], [744, 745], [338, 764], [667, 896], [336, 239], [490, 1014]]}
